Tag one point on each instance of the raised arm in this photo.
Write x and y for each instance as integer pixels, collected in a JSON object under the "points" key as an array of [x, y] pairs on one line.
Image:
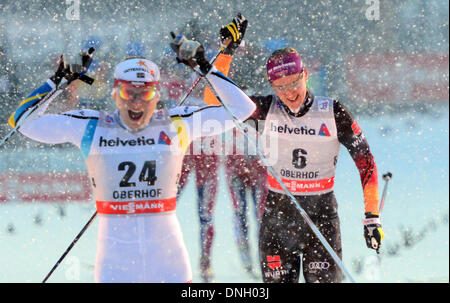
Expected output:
{"points": [[214, 119], [210, 120], [231, 35], [30, 118]]}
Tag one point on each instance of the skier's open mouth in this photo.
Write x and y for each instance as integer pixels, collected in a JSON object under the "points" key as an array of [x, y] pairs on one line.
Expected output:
{"points": [[294, 100], [135, 116]]}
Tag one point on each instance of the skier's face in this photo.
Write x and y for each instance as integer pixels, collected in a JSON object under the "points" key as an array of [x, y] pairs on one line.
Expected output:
{"points": [[291, 89], [136, 105]]}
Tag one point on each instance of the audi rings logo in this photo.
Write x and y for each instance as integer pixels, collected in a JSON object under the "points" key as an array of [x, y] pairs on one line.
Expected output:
{"points": [[318, 265]]}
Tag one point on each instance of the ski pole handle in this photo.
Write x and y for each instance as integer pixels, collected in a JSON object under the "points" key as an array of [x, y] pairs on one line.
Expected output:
{"points": [[222, 48]]}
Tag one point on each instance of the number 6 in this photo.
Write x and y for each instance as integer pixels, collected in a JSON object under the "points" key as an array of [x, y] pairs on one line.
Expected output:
{"points": [[298, 158]]}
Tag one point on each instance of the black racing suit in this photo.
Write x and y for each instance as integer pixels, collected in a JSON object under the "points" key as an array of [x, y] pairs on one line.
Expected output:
{"points": [[285, 239]]}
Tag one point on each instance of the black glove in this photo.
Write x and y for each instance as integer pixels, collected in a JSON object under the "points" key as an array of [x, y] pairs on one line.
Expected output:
{"points": [[190, 52], [234, 31], [72, 72], [373, 233]]}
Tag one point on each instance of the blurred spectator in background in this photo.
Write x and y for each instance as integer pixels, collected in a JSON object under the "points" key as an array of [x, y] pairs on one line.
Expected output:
{"points": [[246, 178], [8, 82], [205, 163]]}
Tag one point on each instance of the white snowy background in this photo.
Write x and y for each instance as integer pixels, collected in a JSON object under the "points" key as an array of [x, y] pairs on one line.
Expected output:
{"points": [[408, 131]]}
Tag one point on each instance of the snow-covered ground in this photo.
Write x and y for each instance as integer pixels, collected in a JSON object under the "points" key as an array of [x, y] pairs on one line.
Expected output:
{"points": [[413, 147]]}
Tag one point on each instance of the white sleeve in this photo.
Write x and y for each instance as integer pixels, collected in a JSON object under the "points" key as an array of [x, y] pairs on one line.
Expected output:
{"points": [[30, 118], [231, 94], [67, 127], [214, 119]]}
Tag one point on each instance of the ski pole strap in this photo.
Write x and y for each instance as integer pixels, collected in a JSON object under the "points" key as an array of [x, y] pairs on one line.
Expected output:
{"points": [[86, 79], [371, 221]]}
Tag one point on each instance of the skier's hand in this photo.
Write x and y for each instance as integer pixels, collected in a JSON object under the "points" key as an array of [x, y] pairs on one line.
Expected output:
{"points": [[373, 233], [190, 52], [73, 72], [86, 58], [235, 32]]}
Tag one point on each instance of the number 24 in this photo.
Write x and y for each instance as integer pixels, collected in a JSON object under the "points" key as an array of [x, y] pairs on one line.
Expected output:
{"points": [[148, 173]]}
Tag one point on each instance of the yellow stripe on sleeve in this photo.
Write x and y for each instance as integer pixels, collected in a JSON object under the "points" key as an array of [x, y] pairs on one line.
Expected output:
{"points": [[182, 132], [32, 98], [12, 120]]}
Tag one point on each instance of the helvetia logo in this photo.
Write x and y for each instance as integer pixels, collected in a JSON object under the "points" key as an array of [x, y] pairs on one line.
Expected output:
{"points": [[324, 131], [141, 141], [304, 130], [164, 138]]}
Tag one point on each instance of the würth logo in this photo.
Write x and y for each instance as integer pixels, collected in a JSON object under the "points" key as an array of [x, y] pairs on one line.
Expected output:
{"points": [[355, 128], [274, 262]]}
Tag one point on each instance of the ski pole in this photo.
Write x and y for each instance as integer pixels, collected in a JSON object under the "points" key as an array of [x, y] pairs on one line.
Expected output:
{"points": [[386, 177], [286, 190], [86, 61], [70, 246], [188, 92]]}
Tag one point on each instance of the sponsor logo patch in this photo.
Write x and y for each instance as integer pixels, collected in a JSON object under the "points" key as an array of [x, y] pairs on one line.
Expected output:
{"points": [[142, 63], [324, 131], [159, 114], [109, 119], [312, 266], [355, 128], [303, 130], [110, 142], [323, 106], [274, 262], [164, 138]]}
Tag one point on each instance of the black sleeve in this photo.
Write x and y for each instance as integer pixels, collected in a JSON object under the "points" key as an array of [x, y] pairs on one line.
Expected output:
{"points": [[351, 136], [348, 132], [262, 109], [262, 106]]}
